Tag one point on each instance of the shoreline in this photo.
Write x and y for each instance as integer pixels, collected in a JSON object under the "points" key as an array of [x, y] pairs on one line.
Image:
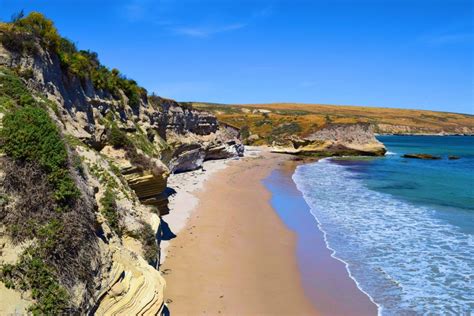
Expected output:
{"points": [[326, 278], [333, 254], [229, 259]]}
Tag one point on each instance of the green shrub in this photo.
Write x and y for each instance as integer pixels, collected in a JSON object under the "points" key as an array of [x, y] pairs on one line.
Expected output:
{"points": [[31, 272], [30, 135], [64, 242], [287, 129], [24, 32], [244, 132], [16, 40], [110, 211], [46, 205], [117, 137], [39, 26], [132, 91], [13, 89]]}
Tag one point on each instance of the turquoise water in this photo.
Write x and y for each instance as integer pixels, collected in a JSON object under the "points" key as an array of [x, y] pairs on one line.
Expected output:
{"points": [[405, 227]]}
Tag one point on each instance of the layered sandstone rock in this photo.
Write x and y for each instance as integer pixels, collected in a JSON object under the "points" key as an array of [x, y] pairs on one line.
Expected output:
{"points": [[335, 140], [190, 151], [164, 134], [83, 109], [149, 187], [134, 287]]}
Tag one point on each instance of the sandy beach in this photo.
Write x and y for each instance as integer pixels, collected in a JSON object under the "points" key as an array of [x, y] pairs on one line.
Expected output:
{"points": [[233, 254]]}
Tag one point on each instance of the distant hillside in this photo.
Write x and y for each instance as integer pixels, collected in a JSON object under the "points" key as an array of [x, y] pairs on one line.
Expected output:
{"points": [[267, 122]]}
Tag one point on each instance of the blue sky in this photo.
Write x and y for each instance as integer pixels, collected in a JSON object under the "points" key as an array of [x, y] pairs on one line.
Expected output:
{"points": [[392, 53]]}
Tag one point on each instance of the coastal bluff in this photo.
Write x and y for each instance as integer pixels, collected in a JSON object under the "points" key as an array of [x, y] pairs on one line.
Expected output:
{"points": [[86, 154], [90, 178], [334, 140]]}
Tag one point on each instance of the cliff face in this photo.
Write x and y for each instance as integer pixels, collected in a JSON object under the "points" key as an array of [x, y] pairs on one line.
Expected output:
{"points": [[413, 130], [120, 154], [82, 109], [335, 140]]}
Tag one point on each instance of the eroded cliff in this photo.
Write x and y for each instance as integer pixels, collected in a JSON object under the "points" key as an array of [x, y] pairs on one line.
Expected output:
{"points": [[335, 140], [85, 156]]}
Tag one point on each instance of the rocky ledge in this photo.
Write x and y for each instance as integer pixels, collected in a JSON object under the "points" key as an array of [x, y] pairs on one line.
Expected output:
{"points": [[334, 140], [121, 148]]}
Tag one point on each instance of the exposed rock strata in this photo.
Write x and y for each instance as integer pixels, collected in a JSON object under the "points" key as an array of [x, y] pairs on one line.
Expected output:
{"points": [[149, 188], [170, 136], [134, 288], [192, 150], [335, 140], [392, 129]]}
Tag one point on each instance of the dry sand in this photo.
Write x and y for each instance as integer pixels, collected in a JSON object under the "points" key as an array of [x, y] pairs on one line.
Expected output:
{"points": [[233, 254]]}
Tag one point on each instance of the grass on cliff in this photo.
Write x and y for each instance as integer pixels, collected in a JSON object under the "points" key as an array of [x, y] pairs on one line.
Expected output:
{"points": [[139, 149], [13, 92], [110, 211], [146, 235], [43, 204], [24, 33], [32, 273]]}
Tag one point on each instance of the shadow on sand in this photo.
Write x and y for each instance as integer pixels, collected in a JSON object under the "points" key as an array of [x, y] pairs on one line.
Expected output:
{"points": [[164, 231]]}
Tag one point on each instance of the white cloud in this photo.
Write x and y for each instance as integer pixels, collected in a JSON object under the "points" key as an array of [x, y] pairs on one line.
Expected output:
{"points": [[207, 31], [166, 15]]}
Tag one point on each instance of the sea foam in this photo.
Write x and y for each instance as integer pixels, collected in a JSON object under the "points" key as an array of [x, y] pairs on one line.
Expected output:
{"points": [[405, 259]]}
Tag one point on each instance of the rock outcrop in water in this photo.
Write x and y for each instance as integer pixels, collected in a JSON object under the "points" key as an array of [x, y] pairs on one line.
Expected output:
{"points": [[335, 140], [421, 156]]}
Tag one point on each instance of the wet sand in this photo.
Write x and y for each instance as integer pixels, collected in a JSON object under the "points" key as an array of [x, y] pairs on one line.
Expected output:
{"points": [[239, 256], [325, 279]]}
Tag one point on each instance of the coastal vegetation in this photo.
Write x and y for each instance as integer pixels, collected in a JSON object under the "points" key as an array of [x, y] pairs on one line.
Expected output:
{"points": [[25, 34], [263, 123], [110, 211], [30, 136], [82, 168], [39, 181]]}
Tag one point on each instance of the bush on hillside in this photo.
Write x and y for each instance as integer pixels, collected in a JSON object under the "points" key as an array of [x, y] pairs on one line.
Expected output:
{"points": [[287, 129], [51, 298], [30, 135], [110, 211], [117, 137], [13, 91], [64, 245], [24, 32]]}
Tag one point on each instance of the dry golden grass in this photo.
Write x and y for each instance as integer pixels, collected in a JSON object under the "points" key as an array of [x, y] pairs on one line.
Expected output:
{"points": [[262, 119]]}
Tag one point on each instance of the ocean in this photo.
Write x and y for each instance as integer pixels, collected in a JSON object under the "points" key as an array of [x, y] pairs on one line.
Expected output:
{"points": [[403, 227]]}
